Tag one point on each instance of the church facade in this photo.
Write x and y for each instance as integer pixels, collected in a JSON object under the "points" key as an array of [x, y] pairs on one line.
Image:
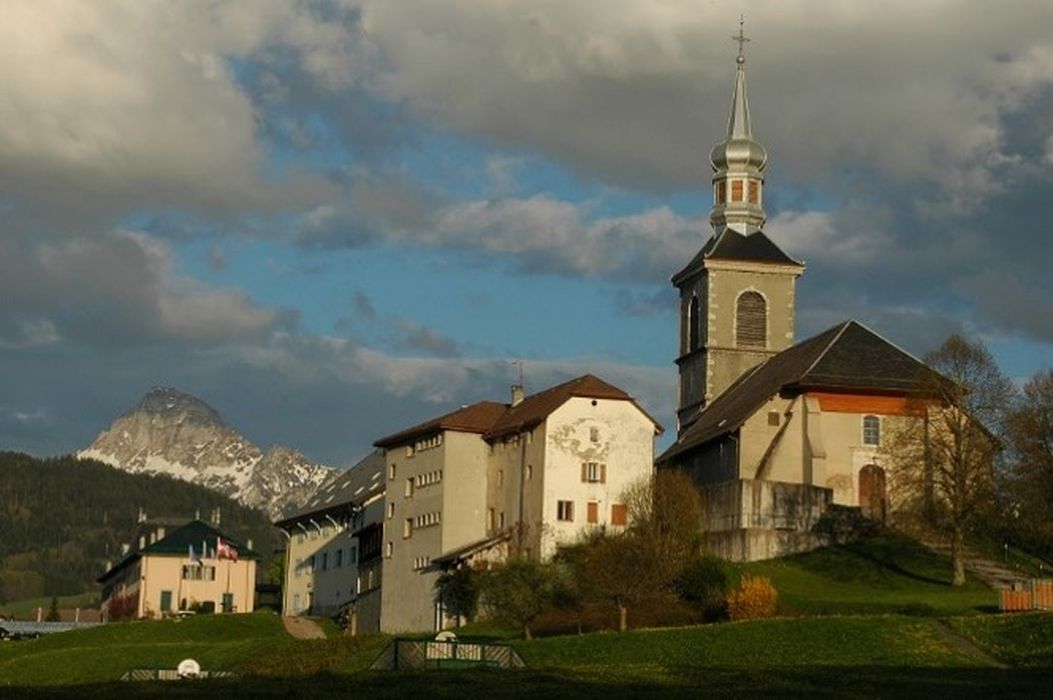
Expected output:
{"points": [[773, 431]]}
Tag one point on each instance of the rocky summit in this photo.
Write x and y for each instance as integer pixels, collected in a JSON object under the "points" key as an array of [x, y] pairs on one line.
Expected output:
{"points": [[179, 435]]}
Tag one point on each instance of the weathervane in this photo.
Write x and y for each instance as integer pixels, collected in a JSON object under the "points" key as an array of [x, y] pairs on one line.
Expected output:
{"points": [[741, 38]]}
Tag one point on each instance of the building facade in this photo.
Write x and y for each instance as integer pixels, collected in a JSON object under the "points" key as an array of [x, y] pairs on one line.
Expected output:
{"points": [[194, 567], [332, 553], [527, 475]]}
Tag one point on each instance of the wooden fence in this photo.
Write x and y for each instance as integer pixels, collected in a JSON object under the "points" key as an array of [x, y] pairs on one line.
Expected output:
{"points": [[1037, 594]]}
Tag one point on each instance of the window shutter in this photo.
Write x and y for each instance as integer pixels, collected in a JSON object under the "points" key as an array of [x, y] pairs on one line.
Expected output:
{"points": [[603, 473], [584, 471]]}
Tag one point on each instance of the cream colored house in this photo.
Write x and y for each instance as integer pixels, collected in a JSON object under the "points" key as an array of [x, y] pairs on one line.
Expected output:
{"points": [[332, 554], [161, 577], [773, 432], [530, 474]]}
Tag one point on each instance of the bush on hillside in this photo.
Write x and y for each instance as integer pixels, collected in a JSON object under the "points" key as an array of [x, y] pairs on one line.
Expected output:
{"points": [[755, 598], [705, 585]]}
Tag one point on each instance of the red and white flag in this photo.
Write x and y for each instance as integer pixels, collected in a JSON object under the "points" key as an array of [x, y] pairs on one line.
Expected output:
{"points": [[225, 551]]}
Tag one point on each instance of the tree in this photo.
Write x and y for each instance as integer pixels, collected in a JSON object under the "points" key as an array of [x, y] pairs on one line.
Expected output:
{"points": [[944, 452], [459, 592], [1029, 438], [53, 612], [518, 591], [644, 561]]}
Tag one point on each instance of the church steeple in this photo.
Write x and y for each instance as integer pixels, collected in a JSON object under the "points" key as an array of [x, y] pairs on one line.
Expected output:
{"points": [[738, 163]]}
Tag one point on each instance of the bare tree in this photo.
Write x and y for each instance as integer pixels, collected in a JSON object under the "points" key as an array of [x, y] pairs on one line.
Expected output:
{"points": [[644, 561], [944, 452], [1029, 437]]}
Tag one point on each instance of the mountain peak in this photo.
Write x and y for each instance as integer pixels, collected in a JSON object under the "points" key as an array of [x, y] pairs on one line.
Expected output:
{"points": [[166, 401]]}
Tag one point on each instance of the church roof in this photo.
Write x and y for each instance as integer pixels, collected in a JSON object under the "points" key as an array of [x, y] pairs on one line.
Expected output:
{"points": [[351, 487], [495, 420], [848, 356], [729, 244]]}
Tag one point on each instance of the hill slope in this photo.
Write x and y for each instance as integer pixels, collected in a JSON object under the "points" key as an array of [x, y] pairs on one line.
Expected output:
{"points": [[62, 519]]}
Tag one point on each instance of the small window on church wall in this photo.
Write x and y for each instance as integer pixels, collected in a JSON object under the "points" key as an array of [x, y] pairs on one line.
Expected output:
{"points": [[736, 190], [751, 321], [754, 191], [692, 325], [722, 192], [871, 430]]}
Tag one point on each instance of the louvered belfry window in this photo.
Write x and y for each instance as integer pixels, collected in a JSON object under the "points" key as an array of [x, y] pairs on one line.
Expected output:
{"points": [[751, 321]]}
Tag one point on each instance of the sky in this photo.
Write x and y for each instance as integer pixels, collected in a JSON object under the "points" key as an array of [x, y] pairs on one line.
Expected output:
{"points": [[331, 220]]}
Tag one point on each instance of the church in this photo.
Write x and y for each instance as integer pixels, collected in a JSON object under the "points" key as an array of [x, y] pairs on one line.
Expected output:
{"points": [[773, 431]]}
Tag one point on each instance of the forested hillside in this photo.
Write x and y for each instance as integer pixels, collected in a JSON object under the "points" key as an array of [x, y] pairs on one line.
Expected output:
{"points": [[62, 519]]}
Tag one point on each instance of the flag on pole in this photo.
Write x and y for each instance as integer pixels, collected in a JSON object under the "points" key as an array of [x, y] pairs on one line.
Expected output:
{"points": [[225, 551]]}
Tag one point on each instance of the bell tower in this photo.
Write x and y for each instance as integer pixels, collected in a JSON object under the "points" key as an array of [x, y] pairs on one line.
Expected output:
{"points": [[737, 294]]}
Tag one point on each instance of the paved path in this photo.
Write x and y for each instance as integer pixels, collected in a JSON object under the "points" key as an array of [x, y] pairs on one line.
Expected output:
{"points": [[964, 644], [990, 572], [302, 628]]}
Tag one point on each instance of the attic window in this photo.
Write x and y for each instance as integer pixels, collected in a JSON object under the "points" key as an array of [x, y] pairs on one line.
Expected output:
{"points": [[751, 321]]}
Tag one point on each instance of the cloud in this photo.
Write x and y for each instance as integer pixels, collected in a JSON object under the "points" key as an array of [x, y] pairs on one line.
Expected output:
{"points": [[625, 89], [119, 288]]}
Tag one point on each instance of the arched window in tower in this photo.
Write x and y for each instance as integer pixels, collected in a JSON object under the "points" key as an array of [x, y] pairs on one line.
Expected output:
{"points": [[693, 342], [751, 321]]}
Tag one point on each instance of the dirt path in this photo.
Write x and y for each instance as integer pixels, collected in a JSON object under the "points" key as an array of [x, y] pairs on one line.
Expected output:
{"points": [[965, 645], [302, 628]]}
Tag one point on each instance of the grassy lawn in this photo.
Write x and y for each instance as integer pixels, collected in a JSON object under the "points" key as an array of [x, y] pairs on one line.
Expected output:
{"points": [[1020, 639], [887, 574]]}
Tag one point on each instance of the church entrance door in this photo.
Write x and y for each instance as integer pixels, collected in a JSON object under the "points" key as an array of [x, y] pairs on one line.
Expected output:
{"points": [[872, 496]]}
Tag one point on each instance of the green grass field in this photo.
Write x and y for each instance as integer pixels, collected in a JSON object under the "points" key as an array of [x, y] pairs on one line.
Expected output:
{"points": [[877, 618], [24, 609]]}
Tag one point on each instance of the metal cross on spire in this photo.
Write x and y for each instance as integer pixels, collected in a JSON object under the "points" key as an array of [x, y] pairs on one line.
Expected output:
{"points": [[741, 38]]}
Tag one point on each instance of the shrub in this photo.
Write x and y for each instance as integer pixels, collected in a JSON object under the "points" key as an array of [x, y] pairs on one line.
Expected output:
{"points": [[755, 597], [705, 585]]}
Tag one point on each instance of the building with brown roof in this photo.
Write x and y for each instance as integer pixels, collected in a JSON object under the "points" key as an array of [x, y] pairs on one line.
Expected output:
{"points": [[529, 474]]}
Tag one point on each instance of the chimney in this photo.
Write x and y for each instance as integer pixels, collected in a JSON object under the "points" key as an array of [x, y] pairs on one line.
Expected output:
{"points": [[517, 394]]}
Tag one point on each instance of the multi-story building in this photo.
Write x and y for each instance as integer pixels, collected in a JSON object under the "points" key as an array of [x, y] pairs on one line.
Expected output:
{"points": [[332, 557], [530, 474], [193, 567]]}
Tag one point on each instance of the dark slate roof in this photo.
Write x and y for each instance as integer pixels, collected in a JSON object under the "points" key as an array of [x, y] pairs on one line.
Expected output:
{"points": [[537, 407], [848, 356], [729, 244], [477, 418], [178, 543], [494, 420], [349, 488]]}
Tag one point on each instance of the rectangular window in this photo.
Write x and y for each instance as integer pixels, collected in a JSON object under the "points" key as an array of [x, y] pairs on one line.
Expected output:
{"points": [[722, 192], [407, 527], [409, 488], [871, 430], [530, 472], [593, 473], [501, 520], [618, 514], [491, 520], [299, 567], [352, 555], [773, 418], [228, 602], [389, 549], [325, 560], [594, 434], [592, 512], [296, 602], [339, 558], [391, 510], [500, 477], [166, 601], [391, 472], [310, 565], [754, 191], [736, 190], [565, 511]]}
